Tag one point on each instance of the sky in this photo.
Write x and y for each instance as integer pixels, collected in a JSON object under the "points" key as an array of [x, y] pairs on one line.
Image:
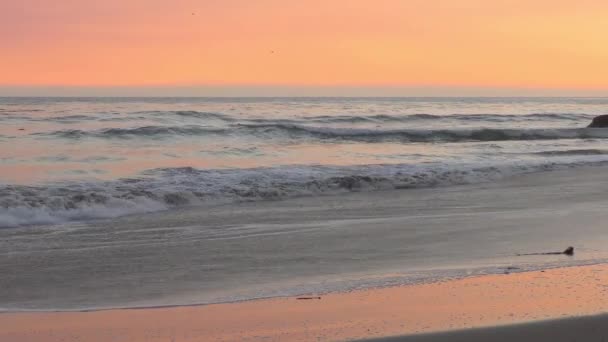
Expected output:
{"points": [[313, 47]]}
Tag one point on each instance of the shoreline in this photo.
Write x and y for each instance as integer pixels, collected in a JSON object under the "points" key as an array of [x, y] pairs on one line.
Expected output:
{"points": [[348, 242], [426, 281], [444, 306]]}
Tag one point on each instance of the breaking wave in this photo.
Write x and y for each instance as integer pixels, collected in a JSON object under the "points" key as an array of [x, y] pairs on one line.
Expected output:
{"points": [[162, 189]]}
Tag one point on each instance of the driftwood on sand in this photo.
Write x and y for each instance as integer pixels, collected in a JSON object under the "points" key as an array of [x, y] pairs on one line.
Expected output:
{"points": [[567, 251], [308, 298]]}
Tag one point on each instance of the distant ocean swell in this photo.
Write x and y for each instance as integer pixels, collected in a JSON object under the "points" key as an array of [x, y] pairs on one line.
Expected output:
{"points": [[163, 189], [377, 118], [145, 131], [456, 117], [293, 131]]}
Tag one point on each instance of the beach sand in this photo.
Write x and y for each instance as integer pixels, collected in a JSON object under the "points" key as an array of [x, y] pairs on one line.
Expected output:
{"points": [[495, 301]]}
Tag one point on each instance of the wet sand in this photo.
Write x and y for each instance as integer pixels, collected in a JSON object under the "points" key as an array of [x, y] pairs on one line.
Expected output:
{"points": [[485, 301]]}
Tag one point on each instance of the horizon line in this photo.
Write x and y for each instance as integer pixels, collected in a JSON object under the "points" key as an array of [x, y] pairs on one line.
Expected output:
{"points": [[304, 96]]}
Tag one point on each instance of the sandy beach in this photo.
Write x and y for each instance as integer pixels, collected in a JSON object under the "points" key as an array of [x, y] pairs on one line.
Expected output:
{"points": [[486, 301]]}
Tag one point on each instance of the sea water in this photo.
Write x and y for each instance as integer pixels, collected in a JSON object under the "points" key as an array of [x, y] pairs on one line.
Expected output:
{"points": [[79, 159], [109, 202]]}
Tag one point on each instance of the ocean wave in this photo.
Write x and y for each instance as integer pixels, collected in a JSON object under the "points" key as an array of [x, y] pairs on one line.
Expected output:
{"points": [[120, 117], [294, 131], [420, 135], [162, 189], [319, 119], [203, 115], [67, 118], [348, 119], [573, 152], [144, 131], [451, 117], [421, 117], [188, 114]]}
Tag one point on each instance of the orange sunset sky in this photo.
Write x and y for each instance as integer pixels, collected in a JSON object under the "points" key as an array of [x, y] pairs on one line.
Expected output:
{"points": [[524, 44]]}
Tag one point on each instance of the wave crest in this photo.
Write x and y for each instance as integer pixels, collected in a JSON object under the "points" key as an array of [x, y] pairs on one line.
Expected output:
{"points": [[448, 117], [162, 189], [144, 131], [441, 135], [293, 131]]}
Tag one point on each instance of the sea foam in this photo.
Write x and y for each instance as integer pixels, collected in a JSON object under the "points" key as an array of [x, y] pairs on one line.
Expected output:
{"points": [[166, 188]]}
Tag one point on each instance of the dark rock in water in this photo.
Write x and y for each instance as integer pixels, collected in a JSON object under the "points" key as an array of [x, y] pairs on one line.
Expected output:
{"points": [[599, 122], [569, 251]]}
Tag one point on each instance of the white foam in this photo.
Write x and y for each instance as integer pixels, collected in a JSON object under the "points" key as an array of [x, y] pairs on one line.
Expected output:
{"points": [[163, 189], [28, 215]]}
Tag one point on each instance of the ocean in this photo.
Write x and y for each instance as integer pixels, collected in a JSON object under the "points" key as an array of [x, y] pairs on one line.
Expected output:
{"points": [[129, 202]]}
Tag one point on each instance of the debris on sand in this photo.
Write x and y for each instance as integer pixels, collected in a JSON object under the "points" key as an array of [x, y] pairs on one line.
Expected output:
{"points": [[568, 251], [308, 298]]}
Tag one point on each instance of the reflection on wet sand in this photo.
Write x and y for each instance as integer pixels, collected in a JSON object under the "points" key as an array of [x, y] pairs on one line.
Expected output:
{"points": [[472, 302]]}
